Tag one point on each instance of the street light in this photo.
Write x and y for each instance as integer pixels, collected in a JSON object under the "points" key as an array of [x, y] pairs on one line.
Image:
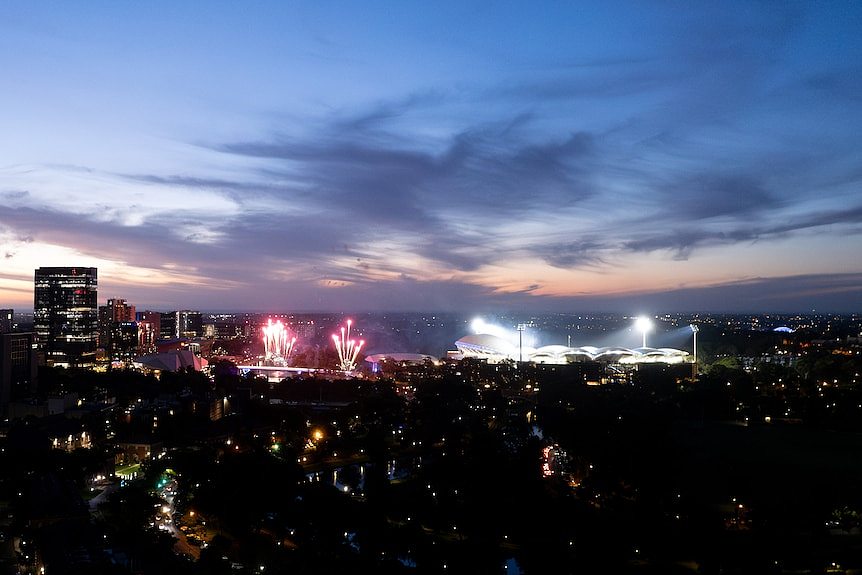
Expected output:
{"points": [[644, 325], [694, 330]]}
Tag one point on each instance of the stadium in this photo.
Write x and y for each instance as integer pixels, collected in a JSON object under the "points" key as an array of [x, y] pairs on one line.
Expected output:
{"points": [[495, 349]]}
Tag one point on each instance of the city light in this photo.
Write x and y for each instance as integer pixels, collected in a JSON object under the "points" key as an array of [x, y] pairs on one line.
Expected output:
{"points": [[347, 348]]}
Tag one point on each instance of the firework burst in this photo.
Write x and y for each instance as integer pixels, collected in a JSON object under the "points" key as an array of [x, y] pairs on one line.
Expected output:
{"points": [[277, 343], [347, 348]]}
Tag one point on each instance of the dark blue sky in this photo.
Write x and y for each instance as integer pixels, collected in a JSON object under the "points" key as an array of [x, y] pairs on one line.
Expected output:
{"points": [[563, 156]]}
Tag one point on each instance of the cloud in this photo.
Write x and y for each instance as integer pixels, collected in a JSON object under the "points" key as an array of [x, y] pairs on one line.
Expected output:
{"points": [[821, 218], [383, 112], [235, 190], [14, 195], [805, 292], [714, 195], [586, 253], [683, 241], [448, 197], [625, 79], [825, 292]]}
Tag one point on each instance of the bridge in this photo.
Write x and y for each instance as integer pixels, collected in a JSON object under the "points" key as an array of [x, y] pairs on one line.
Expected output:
{"points": [[274, 373]]}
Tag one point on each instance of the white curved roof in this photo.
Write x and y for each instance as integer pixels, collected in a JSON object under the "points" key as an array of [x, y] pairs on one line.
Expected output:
{"points": [[495, 348], [549, 354], [553, 349], [579, 353], [648, 351], [486, 343], [613, 351]]}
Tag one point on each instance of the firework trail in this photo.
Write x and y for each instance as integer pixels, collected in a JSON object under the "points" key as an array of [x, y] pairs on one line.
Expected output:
{"points": [[347, 348], [276, 342]]}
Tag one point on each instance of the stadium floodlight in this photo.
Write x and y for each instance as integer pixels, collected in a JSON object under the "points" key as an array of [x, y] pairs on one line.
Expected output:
{"points": [[643, 324], [521, 328], [478, 325], [694, 330]]}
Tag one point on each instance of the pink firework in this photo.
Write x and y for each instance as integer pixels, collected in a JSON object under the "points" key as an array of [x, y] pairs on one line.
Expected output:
{"points": [[277, 342], [347, 348]]}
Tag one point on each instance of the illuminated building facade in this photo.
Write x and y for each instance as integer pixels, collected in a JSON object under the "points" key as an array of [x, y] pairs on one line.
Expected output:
{"points": [[65, 314], [123, 341], [116, 311], [189, 324], [149, 327], [183, 323], [168, 325]]}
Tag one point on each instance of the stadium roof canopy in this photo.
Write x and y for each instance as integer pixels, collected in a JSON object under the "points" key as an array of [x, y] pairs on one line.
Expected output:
{"points": [[494, 349]]}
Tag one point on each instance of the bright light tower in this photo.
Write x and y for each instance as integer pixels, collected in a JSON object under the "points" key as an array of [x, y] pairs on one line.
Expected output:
{"points": [[643, 324], [521, 328], [694, 330]]}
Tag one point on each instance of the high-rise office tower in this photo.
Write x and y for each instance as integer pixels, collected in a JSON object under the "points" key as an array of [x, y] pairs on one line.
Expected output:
{"points": [[65, 316], [117, 309], [123, 341], [168, 325], [6, 320], [184, 323], [116, 323], [189, 324], [149, 327]]}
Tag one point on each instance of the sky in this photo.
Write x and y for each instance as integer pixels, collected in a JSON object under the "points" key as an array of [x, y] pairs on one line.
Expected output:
{"points": [[452, 156]]}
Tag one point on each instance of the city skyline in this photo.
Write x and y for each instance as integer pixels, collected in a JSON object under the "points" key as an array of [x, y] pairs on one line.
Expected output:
{"points": [[610, 157]]}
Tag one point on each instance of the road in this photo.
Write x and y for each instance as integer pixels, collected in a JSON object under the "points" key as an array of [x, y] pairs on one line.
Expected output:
{"points": [[103, 496], [182, 545]]}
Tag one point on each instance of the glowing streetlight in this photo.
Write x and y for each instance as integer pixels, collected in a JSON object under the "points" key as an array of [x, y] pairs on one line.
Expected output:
{"points": [[643, 324]]}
